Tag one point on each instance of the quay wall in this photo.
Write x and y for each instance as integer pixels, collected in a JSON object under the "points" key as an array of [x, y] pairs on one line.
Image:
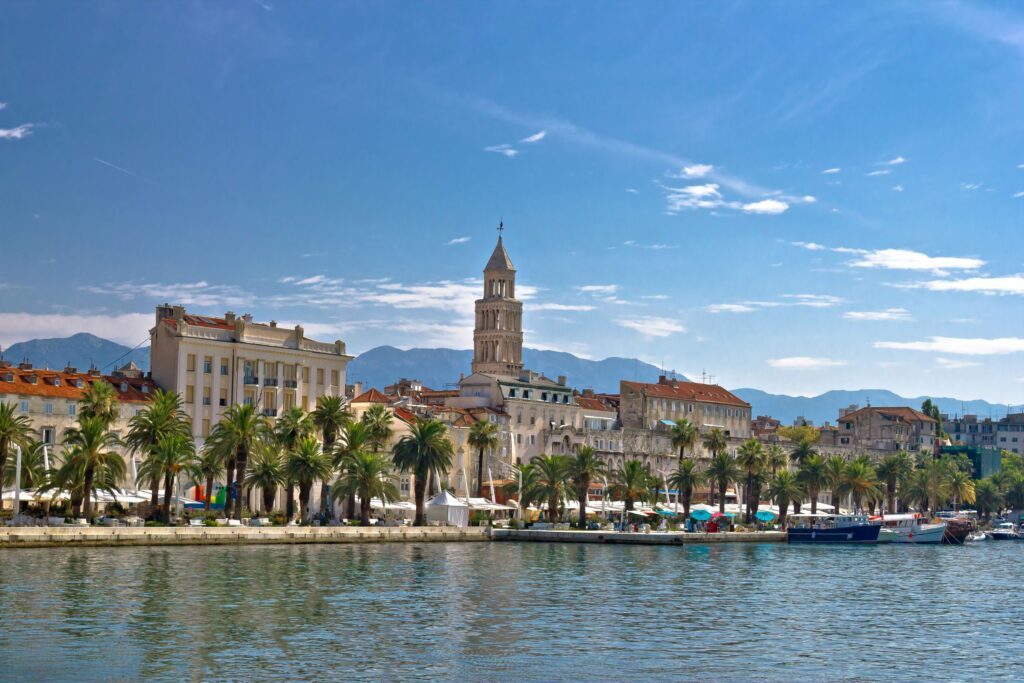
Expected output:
{"points": [[42, 537], [576, 536]]}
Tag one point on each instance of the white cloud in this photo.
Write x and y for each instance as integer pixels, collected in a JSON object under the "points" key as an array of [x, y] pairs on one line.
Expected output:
{"points": [[506, 150], [3, 105], [561, 307], [830, 171], [654, 247], [887, 314], [730, 308], [766, 206], [199, 293], [804, 363], [124, 328], [457, 240], [656, 297], [883, 171], [18, 132], [905, 259], [632, 190], [897, 188], [651, 326], [536, 137], [799, 300], [953, 364], [1009, 284], [696, 171], [1018, 194], [598, 289], [970, 186], [810, 246], [959, 346], [454, 334], [893, 162], [813, 300]]}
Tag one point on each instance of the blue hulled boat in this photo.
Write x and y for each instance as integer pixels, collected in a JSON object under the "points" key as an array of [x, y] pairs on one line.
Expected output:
{"points": [[823, 528]]}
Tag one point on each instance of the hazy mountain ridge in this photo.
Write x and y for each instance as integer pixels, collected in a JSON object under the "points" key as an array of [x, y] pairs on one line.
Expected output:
{"points": [[441, 368]]}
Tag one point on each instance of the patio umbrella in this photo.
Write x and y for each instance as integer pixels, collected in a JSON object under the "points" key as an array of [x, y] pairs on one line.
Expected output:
{"points": [[765, 515], [700, 515]]}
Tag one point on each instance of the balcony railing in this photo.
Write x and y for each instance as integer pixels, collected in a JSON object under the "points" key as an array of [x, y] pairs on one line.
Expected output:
{"points": [[270, 412], [291, 384], [252, 379], [270, 382]]}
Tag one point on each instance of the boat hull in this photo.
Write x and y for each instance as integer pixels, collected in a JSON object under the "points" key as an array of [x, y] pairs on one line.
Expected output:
{"points": [[862, 533], [996, 536], [957, 533], [920, 535]]}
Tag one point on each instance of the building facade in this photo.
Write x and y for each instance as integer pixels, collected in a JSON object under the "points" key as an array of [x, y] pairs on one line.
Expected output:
{"points": [[658, 406], [888, 429], [214, 363], [498, 334]]}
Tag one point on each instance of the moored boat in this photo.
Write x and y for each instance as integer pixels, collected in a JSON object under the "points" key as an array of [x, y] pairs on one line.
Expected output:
{"points": [[958, 531], [1005, 531], [911, 528], [825, 528]]}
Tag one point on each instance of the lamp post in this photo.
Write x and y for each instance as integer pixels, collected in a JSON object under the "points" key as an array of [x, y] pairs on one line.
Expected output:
{"points": [[17, 481]]}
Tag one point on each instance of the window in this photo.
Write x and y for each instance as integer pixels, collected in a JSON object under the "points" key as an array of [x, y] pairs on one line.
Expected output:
{"points": [[512, 393], [335, 378], [519, 439], [519, 417], [72, 408], [543, 395], [565, 398], [190, 362], [208, 365], [190, 394], [223, 396], [526, 393], [48, 435], [223, 367], [533, 439], [248, 399], [145, 388], [24, 409], [206, 396], [320, 376], [305, 374], [48, 409], [56, 381]]}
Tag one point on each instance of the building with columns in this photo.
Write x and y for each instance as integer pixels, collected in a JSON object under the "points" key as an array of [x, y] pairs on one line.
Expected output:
{"points": [[214, 363]]}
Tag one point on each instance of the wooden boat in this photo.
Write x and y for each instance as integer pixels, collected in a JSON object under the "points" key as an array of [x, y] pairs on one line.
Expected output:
{"points": [[958, 530], [912, 528], [825, 528]]}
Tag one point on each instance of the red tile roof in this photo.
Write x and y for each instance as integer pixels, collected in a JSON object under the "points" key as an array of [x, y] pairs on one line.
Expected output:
{"points": [[589, 403], [371, 396], [46, 384], [902, 413], [688, 391], [201, 321]]}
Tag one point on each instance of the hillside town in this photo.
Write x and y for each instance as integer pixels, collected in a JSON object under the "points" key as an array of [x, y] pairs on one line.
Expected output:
{"points": [[499, 417]]}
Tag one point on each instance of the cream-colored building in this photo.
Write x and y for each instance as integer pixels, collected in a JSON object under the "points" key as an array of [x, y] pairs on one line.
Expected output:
{"points": [[708, 406], [214, 363]]}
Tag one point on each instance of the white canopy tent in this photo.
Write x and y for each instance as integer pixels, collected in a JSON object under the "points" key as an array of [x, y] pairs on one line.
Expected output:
{"points": [[447, 509]]}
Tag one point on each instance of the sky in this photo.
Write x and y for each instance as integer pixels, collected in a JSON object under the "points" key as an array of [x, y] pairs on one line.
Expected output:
{"points": [[795, 196]]}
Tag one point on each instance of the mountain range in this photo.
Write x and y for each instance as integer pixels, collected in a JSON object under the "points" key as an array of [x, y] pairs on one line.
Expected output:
{"points": [[441, 368]]}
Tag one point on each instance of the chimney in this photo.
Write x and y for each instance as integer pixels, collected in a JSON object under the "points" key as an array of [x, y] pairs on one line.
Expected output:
{"points": [[70, 369], [229, 318], [178, 312], [24, 365], [247, 318], [589, 393], [662, 379], [561, 380]]}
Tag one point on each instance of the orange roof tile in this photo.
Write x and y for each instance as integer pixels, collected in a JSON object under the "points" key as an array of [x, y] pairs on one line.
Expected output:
{"points": [[54, 384], [371, 396], [689, 391], [588, 403], [904, 413]]}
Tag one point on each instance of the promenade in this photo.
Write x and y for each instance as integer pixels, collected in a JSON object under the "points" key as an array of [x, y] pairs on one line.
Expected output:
{"points": [[630, 538]]}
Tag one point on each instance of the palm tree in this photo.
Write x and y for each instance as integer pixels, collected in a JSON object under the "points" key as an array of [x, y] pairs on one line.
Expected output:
{"points": [[163, 416], [987, 498], [775, 458], [550, 481], [90, 446], [209, 467], [685, 479], [33, 468], [814, 475], [962, 488], [378, 421], [99, 400], [750, 458], [583, 469], [241, 431], [859, 479], [367, 475], [783, 489], [715, 441], [172, 455], [684, 435], [304, 464], [293, 426], [424, 450], [632, 483], [332, 418], [15, 430], [267, 474], [835, 466], [801, 451], [524, 486], [483, 436], [722, 471], [892, 470], [70, 477]]}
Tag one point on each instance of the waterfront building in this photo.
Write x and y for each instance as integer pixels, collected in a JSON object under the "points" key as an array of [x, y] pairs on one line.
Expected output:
{"points": [[658, 406], [968, 430], [214, 363], [1010, 433], [899, 428], [49, 398]]}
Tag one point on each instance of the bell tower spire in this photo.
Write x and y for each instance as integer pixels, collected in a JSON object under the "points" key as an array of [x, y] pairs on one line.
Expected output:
{"points": [[498, 335]]}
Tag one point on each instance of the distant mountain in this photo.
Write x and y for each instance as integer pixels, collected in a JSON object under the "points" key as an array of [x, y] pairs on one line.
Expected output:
{"points": [[80, 350], [826, 406], [438, 368]]}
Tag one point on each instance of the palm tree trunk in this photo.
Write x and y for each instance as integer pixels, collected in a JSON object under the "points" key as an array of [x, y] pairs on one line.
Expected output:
{"points": [[154, 495], [721, 497], [814, 502], [268, 499], [783, 509], [480, 473], [419, 489], [364, 511], [687, 496], [167, 498], [350, 507], [289, 498], [228, 502], [87, 494], [304, 490], [239, 480], [748, 517], [329, 449], [584, 487]]}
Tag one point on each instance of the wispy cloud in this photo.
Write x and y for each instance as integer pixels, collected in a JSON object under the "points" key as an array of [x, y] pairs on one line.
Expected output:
{"points": [[1018, 194], [1009, 284], [971, 186], [561, 307], [657, 246], [505, 150], [536, 137], [831, 171], [598, 289], [3, 105], [693, 171], [881, 171], [125, 171], [805, 363], [457, 240], [810, 246], [893, 162], [905, 259], [652, 326], [632, 190], [199, 293], [708, 196], [897, 188], [732, 308], [787, 300], [18, 132], [959, 346], [887, 314], [954, 364]]}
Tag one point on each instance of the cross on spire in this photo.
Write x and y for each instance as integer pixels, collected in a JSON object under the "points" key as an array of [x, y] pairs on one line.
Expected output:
{"points": [[501, 226]]}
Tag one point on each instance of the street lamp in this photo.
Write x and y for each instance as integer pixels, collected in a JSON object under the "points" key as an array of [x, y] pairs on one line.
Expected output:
{"points": [[17, 481]]}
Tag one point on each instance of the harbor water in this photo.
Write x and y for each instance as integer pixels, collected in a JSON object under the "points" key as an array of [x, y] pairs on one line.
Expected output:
{"points": [[503, 611]]}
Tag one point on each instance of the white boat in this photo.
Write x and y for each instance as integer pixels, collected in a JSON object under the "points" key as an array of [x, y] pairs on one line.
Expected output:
{"points": [[911, 528], [1005, 531]]}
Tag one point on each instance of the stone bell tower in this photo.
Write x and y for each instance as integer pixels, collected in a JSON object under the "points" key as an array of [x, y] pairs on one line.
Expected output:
{"points": [[498, 335]]}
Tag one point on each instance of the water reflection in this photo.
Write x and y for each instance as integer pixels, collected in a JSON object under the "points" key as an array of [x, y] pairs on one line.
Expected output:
{"points": [[501, 610]]}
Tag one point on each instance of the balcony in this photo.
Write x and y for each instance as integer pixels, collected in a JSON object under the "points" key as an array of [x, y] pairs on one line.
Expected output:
{"points": [[270, 382], [291, 384], [251, 379], [270, 412]]}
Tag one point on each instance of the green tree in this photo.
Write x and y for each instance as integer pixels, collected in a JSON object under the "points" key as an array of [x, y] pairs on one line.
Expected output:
{"points": [[859, 480], [583, 468], [91, 446], [173, 454], [550, 482], [241, 431], [331, 418], [775, 458], [162, 417], [266, 472], [294, 426], [796, 434], [305, 464], [931, 409], [33, 467], [722, 471], [424, 450], [835, 468], [892, 470], [210, 466], [962, 488], [367, 475], [378, 421], [684, 435], [15, 430], [750, 459], [783, 489], [685, 479], [483, 436], [988, 498], [813, 475], [99, 400], [631, 483], [715, 441]]}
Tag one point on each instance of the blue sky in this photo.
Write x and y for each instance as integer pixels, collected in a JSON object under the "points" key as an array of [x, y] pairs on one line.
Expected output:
{"points": [[793, 196]]}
